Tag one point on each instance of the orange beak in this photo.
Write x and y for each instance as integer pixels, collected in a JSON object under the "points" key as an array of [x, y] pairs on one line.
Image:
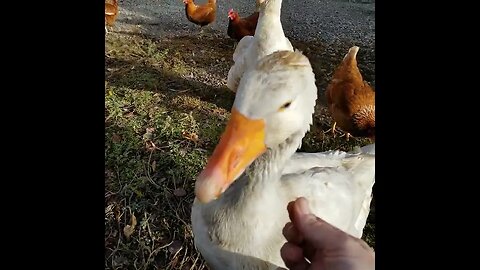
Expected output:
{"points": [[241, 143]]}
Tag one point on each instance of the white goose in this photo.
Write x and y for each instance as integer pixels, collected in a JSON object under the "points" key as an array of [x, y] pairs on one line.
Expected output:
{"points": [[242, 194], [269, 37]]}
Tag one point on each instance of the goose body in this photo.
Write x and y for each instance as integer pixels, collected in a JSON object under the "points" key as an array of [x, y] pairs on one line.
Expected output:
{"points": [[241, 195]]}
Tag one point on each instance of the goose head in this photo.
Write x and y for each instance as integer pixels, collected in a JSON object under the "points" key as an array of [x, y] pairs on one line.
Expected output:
{"points": [[274, 101]]}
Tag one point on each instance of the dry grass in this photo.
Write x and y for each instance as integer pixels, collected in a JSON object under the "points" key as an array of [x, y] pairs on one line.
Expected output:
{"points": [[165, 106]]}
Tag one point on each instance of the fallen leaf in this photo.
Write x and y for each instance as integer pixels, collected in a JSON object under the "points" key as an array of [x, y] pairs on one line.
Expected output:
{"points": [[150, 146], [179, 192], [192, 136], [175, 246], [109, 211], [129, 229], [148, 134], [129, 114], [150, 130], [116, 138], [154, 165]]}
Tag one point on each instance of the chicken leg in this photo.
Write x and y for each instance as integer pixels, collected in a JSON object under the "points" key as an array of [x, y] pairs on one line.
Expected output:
{"points": [[332, 129], [348, 135]]}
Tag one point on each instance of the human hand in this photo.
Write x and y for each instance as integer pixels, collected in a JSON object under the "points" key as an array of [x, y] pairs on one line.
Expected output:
{"points": [[325, 246]]}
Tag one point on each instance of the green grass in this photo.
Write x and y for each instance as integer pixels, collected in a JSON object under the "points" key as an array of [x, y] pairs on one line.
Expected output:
{"points": [[163, 118]]}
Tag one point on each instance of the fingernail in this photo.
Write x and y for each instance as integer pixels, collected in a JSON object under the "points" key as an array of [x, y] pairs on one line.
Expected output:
{"points": [[303, 206]]}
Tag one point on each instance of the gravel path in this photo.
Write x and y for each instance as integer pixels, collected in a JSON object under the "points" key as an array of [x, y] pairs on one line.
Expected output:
{"points": [[328, 21]]}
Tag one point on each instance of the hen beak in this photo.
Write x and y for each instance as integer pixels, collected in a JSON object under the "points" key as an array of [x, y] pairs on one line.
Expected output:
{"points": [[241, 143]]}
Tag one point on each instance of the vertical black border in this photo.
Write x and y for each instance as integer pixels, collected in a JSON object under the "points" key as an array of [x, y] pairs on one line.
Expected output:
{"points": [[54, 127], [420, 165]]}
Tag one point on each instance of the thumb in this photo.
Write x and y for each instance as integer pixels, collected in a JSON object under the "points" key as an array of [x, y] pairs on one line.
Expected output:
{"points": [[317, 232]]}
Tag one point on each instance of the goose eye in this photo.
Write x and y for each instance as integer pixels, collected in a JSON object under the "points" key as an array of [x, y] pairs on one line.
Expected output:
{"points": [[284, 106]]}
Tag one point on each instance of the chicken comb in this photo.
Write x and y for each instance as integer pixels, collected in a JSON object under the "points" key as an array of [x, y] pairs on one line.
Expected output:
{"points": [[230, 13]]}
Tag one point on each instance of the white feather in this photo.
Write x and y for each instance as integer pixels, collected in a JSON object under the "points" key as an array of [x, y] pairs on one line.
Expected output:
{"points": [[269, 37]]}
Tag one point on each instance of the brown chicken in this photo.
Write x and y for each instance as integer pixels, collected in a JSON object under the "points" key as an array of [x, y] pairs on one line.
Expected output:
{"points": [[111, 12], [201, 14], [351, 100], [239, 27]]}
